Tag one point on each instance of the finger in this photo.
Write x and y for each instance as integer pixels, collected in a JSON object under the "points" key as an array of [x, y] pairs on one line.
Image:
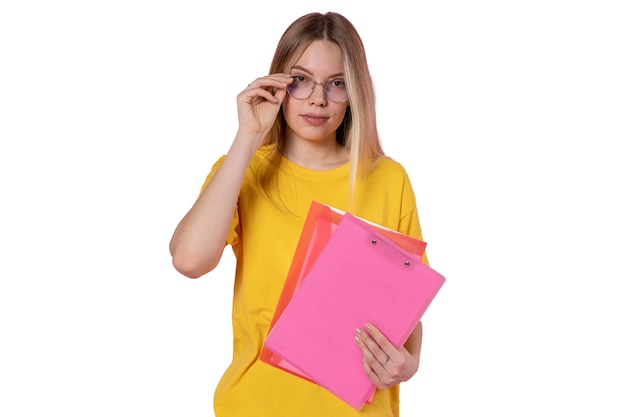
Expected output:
{"points": [[381, 376], [271, 81], [259, 94], [252, 95], [388, 350], [372, 368], [372, 352]]}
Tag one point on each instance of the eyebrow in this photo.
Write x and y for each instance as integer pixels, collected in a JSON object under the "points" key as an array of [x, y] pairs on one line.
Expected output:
{"points": [[298, 67]]}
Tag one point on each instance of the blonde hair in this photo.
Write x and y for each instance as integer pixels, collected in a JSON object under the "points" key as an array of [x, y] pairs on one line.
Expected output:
{"points": [[358, 131]]}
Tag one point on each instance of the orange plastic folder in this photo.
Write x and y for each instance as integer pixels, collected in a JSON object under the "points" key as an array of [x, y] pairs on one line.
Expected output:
{"points": [[360, 276], [320, 223]]}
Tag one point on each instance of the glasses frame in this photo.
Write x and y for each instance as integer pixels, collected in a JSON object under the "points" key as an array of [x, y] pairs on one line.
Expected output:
{"points": [[324, 85]]}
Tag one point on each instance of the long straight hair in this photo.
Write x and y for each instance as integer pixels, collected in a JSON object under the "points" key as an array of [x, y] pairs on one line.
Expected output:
{"points": [[358, 131]]}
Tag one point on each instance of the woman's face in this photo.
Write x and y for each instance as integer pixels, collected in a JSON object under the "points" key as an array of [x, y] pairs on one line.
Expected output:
{"points": [[316, 118]]}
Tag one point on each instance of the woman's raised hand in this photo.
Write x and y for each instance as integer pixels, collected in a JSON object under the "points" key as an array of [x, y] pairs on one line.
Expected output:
{"points": [[259, 103]]}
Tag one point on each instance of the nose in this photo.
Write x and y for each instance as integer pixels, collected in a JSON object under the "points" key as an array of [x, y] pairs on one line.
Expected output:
{"points": [[318, 95]]}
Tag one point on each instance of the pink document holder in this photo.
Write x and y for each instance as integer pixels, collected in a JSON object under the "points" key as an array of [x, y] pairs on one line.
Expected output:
{"points": [[319, 225], [359, 277]]}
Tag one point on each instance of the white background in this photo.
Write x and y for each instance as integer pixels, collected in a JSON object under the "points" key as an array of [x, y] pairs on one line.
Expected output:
{"points": [[508, 115]]}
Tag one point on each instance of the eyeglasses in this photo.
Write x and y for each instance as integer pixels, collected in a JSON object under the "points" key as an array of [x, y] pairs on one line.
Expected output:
{"points": [[302, 88]]}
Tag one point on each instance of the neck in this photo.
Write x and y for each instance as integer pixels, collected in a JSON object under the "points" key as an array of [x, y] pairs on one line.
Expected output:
{"points": [[316, 155]]}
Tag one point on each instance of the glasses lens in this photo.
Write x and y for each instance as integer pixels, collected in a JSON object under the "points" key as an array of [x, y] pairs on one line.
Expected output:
{"points": [[300, 88], [336, 91]]}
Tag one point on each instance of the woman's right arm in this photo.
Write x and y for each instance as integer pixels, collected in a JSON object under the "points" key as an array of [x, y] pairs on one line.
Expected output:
{"points": [[199, 239]]}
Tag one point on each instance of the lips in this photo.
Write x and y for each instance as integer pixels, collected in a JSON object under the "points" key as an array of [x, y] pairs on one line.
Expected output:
{"points": [[314, 119]]}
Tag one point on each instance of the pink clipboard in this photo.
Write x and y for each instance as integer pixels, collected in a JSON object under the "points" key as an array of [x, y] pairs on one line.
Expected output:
{"points": [[320, 223], [359, 277]]}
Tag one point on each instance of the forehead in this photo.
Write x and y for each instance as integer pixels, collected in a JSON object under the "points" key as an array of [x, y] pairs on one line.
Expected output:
{"points": [[321, 58]]}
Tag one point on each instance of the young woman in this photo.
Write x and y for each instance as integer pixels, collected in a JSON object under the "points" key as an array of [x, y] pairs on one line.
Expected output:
{"points": [[307, 131]]}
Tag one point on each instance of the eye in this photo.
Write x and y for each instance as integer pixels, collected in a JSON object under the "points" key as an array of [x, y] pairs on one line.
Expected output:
{"points": [[337, 83], [300, 79]]}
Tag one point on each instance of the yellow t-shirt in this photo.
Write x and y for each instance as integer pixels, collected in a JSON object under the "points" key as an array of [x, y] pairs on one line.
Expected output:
{"points": [[264, 235]]}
